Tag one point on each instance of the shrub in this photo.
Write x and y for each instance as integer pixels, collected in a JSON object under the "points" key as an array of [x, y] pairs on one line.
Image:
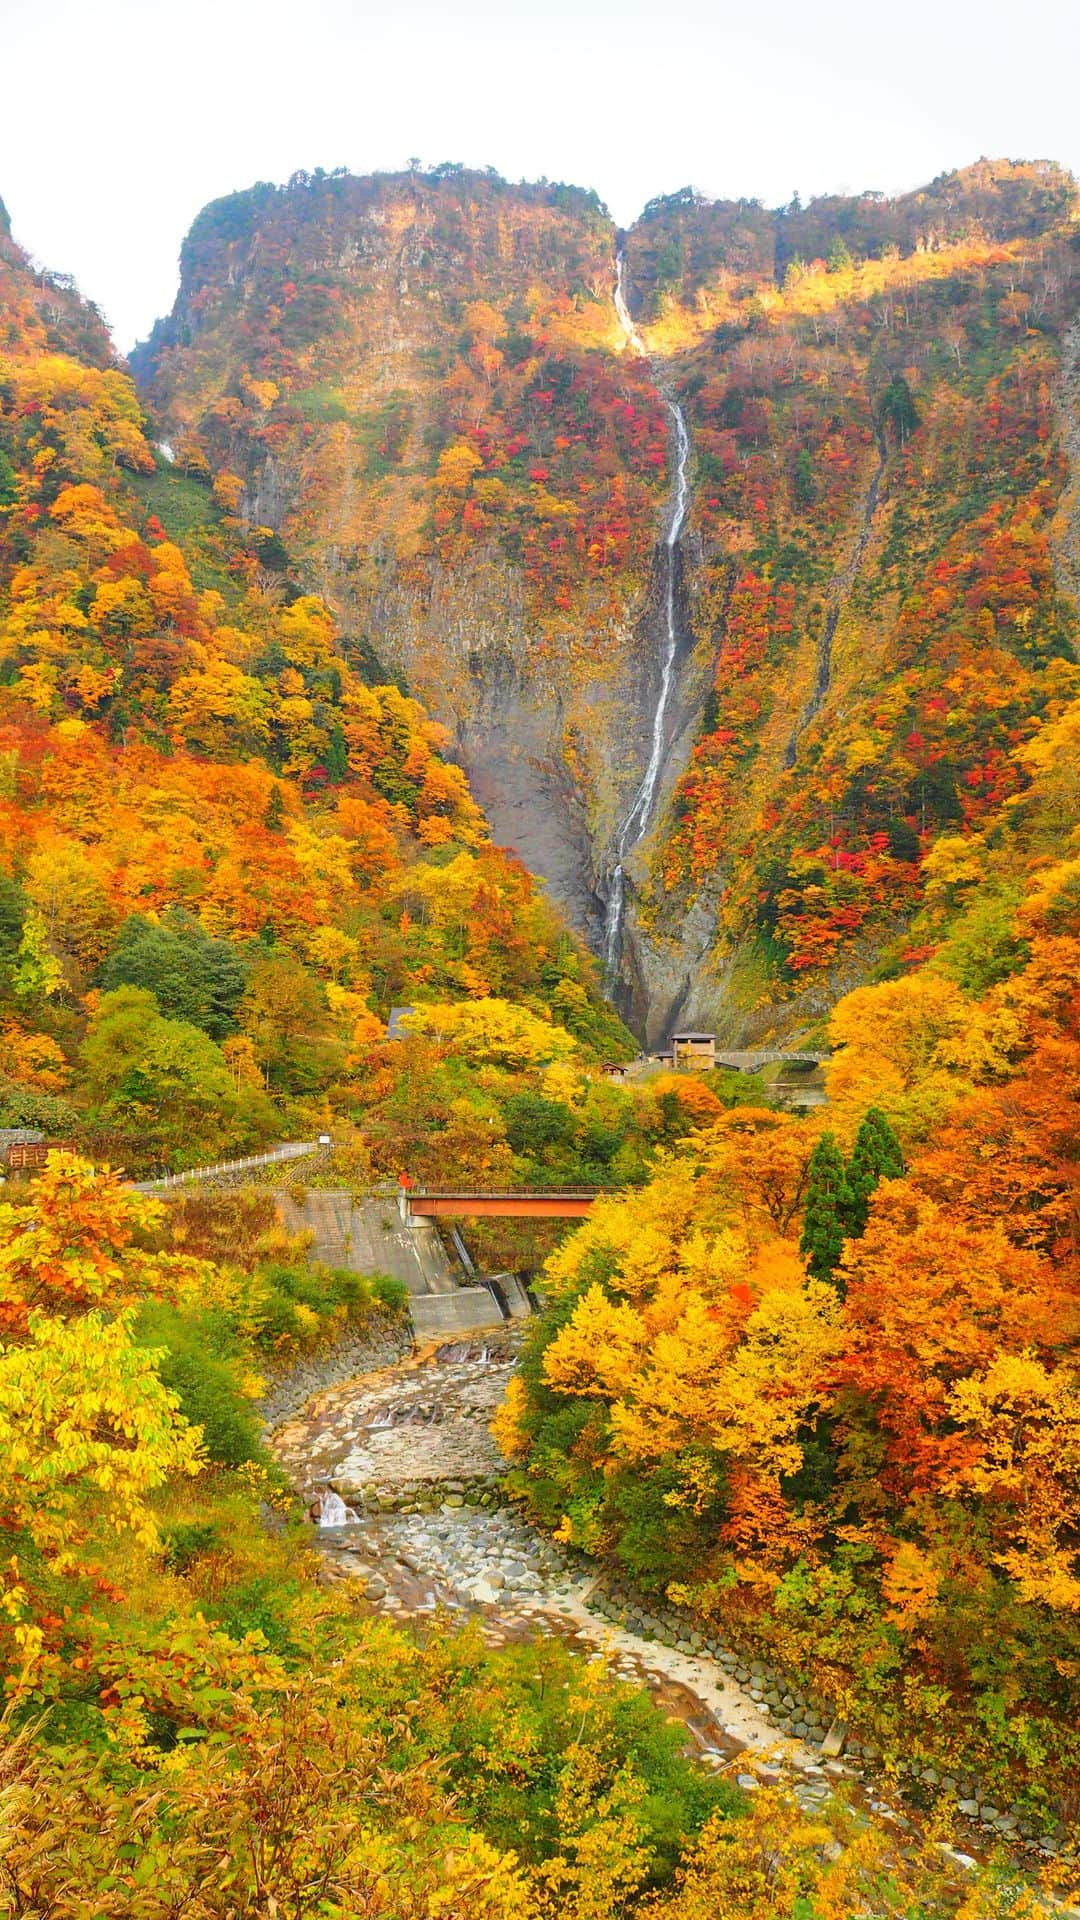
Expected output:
{"points": [[202, 1363], [301, 1303], [226, 1227], [187, 1542]]}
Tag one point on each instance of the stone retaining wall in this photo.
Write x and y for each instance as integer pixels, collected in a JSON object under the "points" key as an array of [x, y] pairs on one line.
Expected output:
{"points": [[427, 1496], [383, 1338], [792, 1709]]}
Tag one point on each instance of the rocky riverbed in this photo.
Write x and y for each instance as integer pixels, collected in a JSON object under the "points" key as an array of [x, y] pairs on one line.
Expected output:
{"points": [[407, 1446], [490, 1565], [411, 1433]]}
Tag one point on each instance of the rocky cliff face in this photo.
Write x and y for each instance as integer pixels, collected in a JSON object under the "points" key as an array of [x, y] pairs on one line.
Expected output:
{"points": [[44, 312], [422, 381], [417, 379]]}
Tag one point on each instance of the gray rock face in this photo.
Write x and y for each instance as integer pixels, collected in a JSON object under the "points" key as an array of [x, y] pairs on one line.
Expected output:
{"points": [[555, 753]]}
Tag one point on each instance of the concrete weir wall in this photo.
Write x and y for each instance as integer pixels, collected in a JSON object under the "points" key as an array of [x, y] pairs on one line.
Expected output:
{"points": [[466, 1310], [369, 1236]]}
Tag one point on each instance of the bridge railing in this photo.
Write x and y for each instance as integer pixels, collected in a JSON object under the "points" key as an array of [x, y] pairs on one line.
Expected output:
{"points": [[506, 1193], [223, 1169]]}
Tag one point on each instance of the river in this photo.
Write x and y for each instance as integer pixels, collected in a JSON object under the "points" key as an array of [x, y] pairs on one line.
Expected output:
{"points": [[408, 1450]]}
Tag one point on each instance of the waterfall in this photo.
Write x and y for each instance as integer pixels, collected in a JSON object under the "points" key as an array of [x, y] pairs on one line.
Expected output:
{"points": [[636, 823], [332, 1510], [633, 337]]}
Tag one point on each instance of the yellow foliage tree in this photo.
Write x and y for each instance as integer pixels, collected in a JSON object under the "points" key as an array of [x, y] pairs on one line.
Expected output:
{"points": [[71, 1245], [456, 467], [220, 711], [85, 1418], [898, 1045], [495, 1031], [730, 1351], [1023, 1425]]}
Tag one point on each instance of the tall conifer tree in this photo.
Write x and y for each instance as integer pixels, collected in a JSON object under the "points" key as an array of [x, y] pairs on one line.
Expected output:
{"points": [[828, 1203], [875, 1156]]}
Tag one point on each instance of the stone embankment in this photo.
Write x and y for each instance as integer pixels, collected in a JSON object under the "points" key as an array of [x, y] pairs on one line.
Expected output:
{"points": [[793, 1710], [380, 1341]]}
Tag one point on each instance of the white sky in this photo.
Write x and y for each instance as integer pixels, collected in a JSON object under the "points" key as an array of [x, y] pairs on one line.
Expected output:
{"points": [[123, 117]]}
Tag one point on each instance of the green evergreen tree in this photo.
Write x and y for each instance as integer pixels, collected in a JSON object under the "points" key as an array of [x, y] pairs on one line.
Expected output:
{"points": [[828, 1204], [898, 409], [336, 757], [192, 976], [12, 918], [9, 491], [875, 1156]]}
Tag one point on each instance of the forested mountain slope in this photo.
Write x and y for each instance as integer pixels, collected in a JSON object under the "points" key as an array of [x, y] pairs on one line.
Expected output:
{"points": [[874, 396], [227, 845], [422, 380], [414, 376], [811, 1376], [819, 1377]]}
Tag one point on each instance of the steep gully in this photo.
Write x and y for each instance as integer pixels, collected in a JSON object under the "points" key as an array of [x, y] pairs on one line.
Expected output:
{"points": [[1067, 554], [636, 822], [837, 595], [639, 817], [839, 589]]}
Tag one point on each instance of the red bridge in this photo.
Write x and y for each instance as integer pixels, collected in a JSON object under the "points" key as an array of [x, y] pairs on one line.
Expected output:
{"points": [[421, 1203]]}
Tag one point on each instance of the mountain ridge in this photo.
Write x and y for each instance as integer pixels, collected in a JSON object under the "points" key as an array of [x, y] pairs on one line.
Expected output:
{"points": [[482, 489]]}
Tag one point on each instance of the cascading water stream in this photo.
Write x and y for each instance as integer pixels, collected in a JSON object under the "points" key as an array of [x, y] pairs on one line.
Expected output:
{"points": [[636, 823]]}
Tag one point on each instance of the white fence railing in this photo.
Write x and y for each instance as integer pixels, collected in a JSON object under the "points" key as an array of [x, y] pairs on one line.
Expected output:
{"points": [[194, 1176]]}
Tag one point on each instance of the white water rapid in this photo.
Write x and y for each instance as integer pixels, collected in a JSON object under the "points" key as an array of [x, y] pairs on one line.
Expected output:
{"points": [[636, 823], [332, 1509]]}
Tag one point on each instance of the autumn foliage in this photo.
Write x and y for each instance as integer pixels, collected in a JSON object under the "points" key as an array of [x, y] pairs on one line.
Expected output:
{"points": [[227, 847], [867, 584], [813, 1376], [819, 1377]]}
